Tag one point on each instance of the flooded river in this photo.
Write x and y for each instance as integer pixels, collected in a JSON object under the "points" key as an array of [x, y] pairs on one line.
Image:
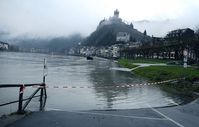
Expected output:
{"points": [[91, 78]]}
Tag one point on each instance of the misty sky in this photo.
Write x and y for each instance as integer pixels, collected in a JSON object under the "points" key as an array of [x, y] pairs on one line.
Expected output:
{"points": [[49, 18]]}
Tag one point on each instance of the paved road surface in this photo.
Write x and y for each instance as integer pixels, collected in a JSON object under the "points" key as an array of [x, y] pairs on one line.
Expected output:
{"points": [[179, 116]]}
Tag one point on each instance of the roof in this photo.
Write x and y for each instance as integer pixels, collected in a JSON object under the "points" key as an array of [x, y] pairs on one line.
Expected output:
{"points": [[181, 30], [4, 43]]}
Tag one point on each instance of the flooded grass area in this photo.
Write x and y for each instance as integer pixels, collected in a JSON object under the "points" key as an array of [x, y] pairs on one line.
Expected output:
{"points": [[184, 87]]}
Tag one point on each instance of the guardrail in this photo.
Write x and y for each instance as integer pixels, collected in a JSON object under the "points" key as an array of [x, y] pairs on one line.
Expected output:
{"points": [[21, 107]]}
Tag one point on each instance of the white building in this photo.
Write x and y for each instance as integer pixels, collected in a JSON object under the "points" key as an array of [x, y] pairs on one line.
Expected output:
{"points": [[104, 52], [4, 46], [115, 51], [123, 37], [71, 51], [133, 44], [83, 51]]}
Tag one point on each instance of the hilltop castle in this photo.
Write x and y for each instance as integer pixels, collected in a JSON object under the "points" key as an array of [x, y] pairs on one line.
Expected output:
{"points": [[112, 20]]}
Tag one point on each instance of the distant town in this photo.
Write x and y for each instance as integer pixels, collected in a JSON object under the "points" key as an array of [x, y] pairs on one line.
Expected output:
{"points": [[169, 47]]}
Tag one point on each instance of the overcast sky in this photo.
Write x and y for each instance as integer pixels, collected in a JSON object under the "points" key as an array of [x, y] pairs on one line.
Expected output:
{"points": [[47, 18]]}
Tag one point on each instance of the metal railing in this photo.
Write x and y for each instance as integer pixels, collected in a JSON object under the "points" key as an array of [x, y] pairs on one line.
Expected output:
{"points": [[21, 107]]}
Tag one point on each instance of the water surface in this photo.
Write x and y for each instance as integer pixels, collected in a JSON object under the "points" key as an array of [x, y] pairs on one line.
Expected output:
{"points": [[22, 68]]}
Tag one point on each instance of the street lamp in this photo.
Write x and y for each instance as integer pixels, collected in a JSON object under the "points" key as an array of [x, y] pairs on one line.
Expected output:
{"points": [[185, 54]]}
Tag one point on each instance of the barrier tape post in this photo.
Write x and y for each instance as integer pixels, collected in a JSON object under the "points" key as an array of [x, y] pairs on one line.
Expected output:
{"points": [[45, 70], [43, 87]]}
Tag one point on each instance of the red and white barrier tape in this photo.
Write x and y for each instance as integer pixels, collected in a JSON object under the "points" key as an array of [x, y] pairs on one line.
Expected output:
{"points": [[111, 86], [22, 90]]}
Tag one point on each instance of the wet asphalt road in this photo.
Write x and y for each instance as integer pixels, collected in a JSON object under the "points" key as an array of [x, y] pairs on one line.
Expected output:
{"points": [[179, 116]]}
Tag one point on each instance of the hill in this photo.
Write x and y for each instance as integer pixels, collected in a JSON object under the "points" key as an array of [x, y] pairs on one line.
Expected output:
{"points": [[106, 35]]}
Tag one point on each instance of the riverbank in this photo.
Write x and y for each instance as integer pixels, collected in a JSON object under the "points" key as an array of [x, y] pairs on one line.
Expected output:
{"points": [[186, 86]]}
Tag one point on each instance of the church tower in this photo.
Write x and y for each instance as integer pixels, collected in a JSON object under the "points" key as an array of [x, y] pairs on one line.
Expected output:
{"points": [[116, 13]]}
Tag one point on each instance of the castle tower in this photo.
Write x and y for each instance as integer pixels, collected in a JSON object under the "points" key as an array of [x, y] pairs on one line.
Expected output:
{"points": [[116, 13]]}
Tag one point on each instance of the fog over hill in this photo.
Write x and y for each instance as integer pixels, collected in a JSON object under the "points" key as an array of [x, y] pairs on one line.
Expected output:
{"points": [[56, 44]]}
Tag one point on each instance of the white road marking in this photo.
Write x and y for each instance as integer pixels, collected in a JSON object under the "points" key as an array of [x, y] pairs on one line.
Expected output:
{"points": [[115, 115], [155, 110], [53, 109], [171, 101], [120, 69]]}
